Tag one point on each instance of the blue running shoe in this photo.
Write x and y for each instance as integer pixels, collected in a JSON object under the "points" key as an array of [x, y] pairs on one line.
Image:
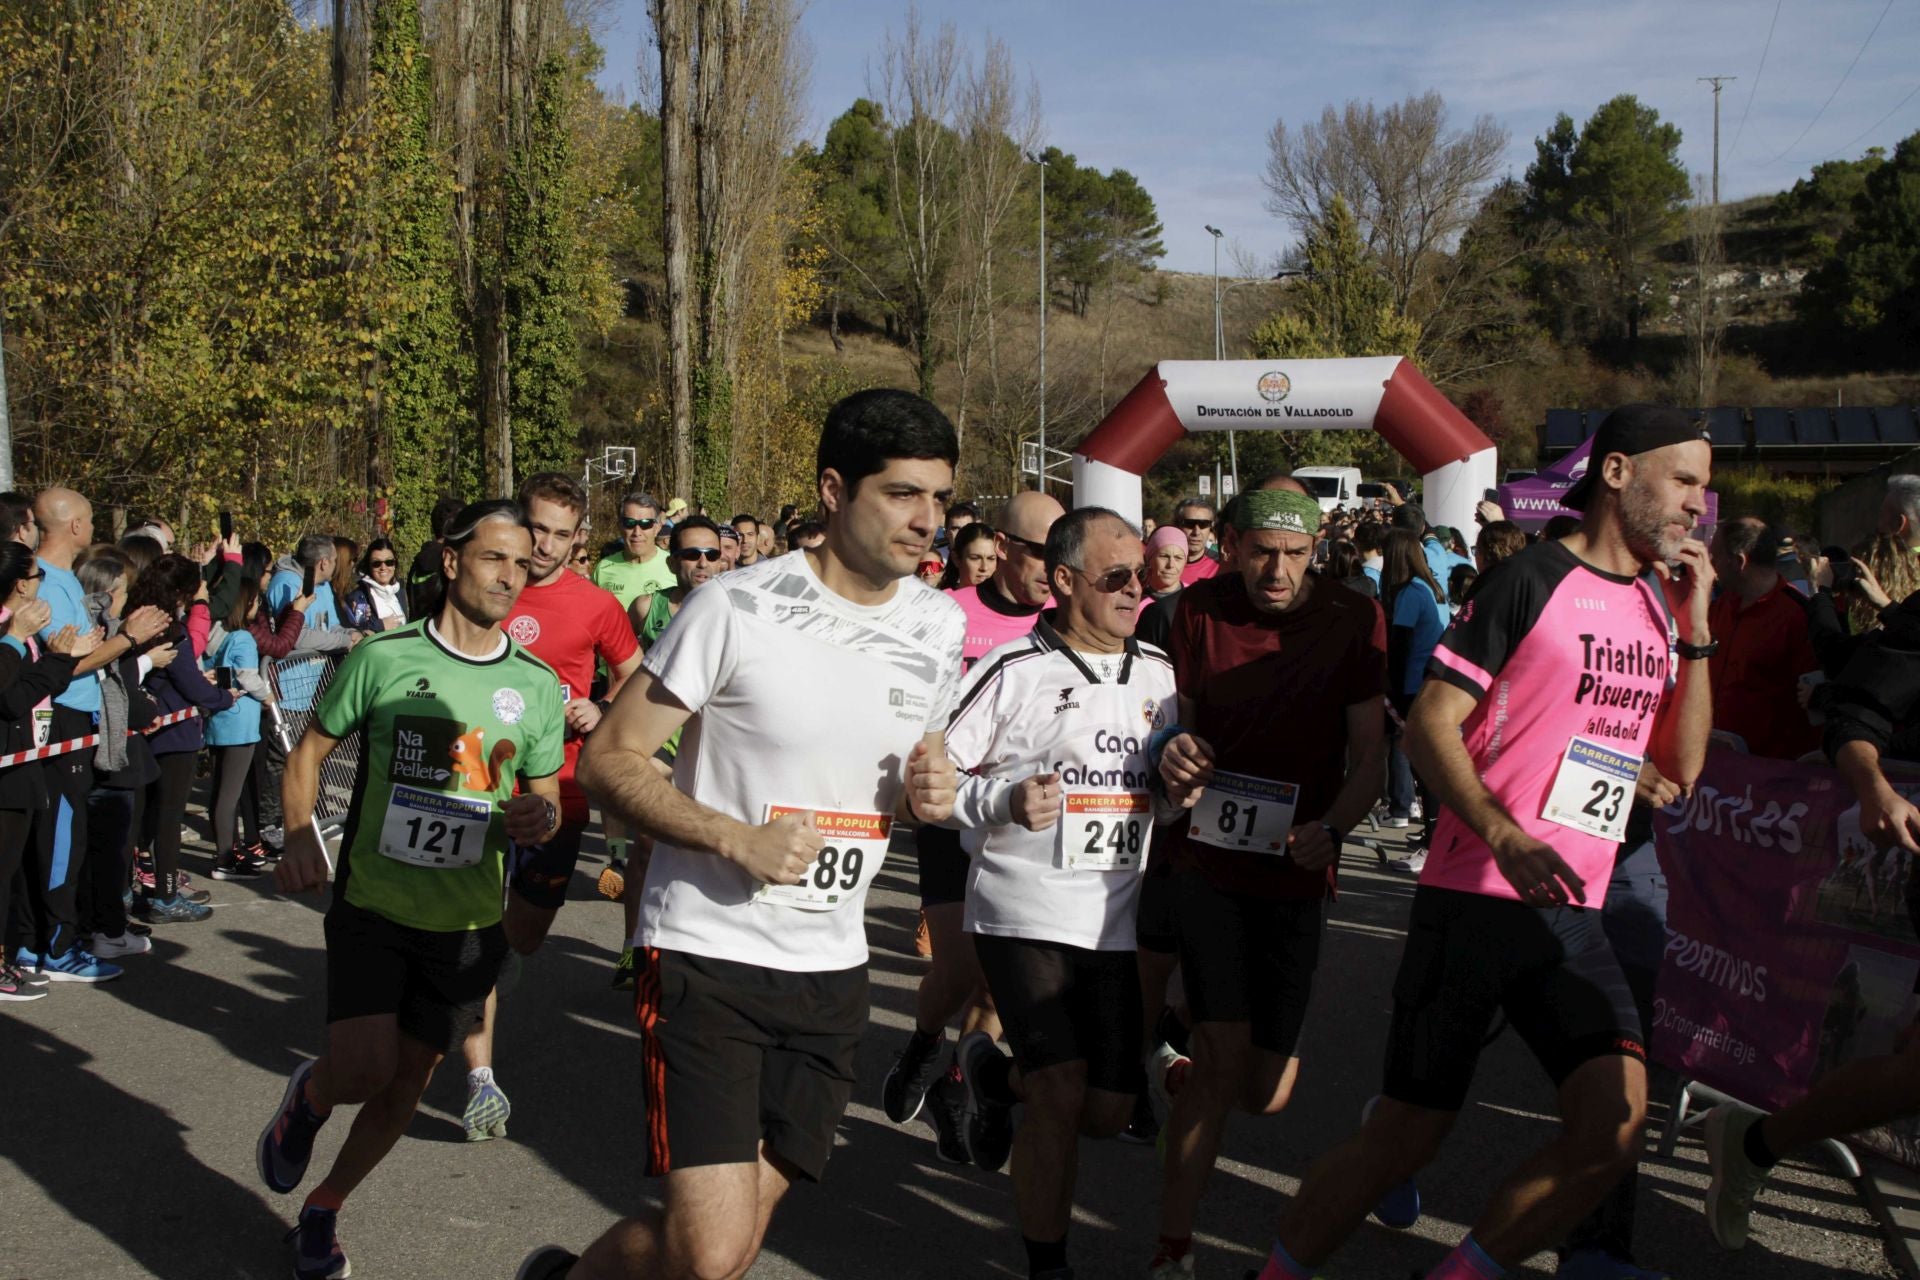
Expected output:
{"points": [[1400, 1207], [286, 1144], [179, 909], [487, 1111], [77, 965], [1597, 1264], [317, 1254]]}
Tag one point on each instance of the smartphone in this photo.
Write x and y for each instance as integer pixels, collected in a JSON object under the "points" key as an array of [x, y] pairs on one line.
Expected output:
{"points": [[226, 525], [307, 582]]}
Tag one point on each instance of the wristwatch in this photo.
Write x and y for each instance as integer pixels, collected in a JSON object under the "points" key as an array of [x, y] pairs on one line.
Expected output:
{"points": [[1338, 836], [1695, 652]]}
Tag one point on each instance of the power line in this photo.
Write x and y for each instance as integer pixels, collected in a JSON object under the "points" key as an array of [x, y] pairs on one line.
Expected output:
{"points": [[1875, 125], [1843, 81], [1755, 86]]}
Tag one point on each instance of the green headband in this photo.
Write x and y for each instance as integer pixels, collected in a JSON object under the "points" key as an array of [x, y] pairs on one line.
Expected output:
{"points": [[1281, 509]]}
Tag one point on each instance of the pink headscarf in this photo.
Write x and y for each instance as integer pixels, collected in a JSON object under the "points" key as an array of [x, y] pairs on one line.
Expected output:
{"points": [[1166, 536]]}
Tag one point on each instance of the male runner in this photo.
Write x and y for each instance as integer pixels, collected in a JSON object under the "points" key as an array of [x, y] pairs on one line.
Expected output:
{"points": [[1058, 810], [1195, 517], [1569, 667], [1001, 609], [749, 530], [569, 624], [640, 567], [1278, 751], [450, 710], [755, 989]]}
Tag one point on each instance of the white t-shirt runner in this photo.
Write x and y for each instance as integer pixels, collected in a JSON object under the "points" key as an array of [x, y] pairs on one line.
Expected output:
{"points": [[802, 699], [1035, 706]]}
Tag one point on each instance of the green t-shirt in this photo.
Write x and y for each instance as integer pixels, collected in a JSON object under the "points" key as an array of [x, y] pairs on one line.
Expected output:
{"points": [[444, 737], [629, 579]]}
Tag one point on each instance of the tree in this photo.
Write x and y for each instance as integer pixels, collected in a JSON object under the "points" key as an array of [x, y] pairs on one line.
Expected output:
{"points": [[1867, 293], [1100, 227], [855, 230], [1410, 183], [1612, 194], [1702, 299]]}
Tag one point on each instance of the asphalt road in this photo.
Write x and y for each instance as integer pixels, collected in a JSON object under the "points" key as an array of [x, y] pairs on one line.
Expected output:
{"points": [[131, 1109]]}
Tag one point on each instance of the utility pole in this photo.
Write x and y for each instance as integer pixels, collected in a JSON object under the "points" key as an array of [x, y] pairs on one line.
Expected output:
{"points": [[1220, 353], [6, 425], [1040, 159], [1716, 82]]}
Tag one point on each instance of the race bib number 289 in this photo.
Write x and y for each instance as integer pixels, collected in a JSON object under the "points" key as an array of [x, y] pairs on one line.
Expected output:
{"points": [[856, 845]]}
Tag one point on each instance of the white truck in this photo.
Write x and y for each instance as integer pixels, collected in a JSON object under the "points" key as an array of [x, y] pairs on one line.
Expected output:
{"points": [[1336, 488]]}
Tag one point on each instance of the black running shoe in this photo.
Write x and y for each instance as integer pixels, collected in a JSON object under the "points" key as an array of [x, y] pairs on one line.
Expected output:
{"points": [[989, 1126], [904, 1091], [549, 1262], [946, 1111]]}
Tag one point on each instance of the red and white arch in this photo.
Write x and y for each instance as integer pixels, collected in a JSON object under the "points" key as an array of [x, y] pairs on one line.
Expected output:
{"points": [[1384, 393]]}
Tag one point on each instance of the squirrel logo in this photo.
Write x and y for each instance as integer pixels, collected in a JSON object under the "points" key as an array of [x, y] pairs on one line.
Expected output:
{"points": [[478, 772]]}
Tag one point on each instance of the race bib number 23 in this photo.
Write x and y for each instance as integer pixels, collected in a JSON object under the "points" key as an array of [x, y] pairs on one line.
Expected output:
{"points": [[856, 845], [1593, 789]]}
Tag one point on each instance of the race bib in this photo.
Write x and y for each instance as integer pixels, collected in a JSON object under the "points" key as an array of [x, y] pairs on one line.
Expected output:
{"points": [[433, 829], [42, 726], [1238, 811], [1105, 830], [856, 845], [1593, 790]]}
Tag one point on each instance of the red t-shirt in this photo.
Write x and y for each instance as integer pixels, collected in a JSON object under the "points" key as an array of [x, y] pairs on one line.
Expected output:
{"points": [[1270, 693], [1199, 570], [1764, 650], [567, 623]]}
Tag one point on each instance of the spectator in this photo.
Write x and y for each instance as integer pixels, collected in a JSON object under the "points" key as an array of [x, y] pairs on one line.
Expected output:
{"points": [[581, 561], [423, 576], [1460, 586], [808, 534], [1760, 624], [1195, 518], [1166, 562], [1499, 540], [141, 549], [971, 559], [1440, 558], [376, 603], [1369, 538], [234, 734], [346, 566], [16, 519], [1416, 619], [1345, 566]]}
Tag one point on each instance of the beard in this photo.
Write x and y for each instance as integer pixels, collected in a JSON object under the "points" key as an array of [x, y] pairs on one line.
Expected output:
{"points": [[1646, 527]]}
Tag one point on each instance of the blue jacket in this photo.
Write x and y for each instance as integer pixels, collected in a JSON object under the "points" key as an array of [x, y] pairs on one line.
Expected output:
{"points": [[176, 687]]}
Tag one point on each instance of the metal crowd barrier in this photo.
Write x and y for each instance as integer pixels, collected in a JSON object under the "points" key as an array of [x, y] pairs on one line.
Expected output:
{"points": [[301, 678]]}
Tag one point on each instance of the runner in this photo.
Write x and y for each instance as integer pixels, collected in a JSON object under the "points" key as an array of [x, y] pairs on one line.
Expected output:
{"points": [[1054, 727], [999, 610], [1278, 751], [450, 710], [755, 993], [1195, 517], [640, 567], [1571, 665], [569, 624]]}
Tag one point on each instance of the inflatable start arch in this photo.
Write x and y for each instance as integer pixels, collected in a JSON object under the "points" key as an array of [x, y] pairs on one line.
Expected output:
{"points": [[1385, 394]]}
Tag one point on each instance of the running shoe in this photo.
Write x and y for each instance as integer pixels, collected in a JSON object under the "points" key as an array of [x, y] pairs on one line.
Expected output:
{"points": [[487, 1111], [183, 885], [1411, 865], [127, 944], [1736, 1179], [1398, 822], [317, 1254], [613, 880], [77, 965], [1165, 1268], [286, 1144], [28, 972], [178, 909], [989, 1122], [237, 864], [15, 989], [1166, 1073], [946, 1111], [1597, 1264], [623, 971], [143, 873], [548, 1262], [1416, 810], [904, 1091], [1400, 1207], [1144, 1129], [259, 852]]}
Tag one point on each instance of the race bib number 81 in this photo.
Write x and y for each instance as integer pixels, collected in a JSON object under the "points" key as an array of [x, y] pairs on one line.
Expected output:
{"points": [[856, 845], [1238, 811], [1593, 790], [1105, 830]]}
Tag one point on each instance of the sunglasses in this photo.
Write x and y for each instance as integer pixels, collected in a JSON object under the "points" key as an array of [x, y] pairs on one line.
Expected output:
{"points": [[645, 522], [1195, 524], [692, 554], [1114, 579], [1026, 544], [383, 564], [583, 558]]}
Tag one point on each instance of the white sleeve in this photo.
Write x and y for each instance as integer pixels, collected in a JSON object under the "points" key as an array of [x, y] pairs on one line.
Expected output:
{"points": [[695, 656], [946, 695], [979, 801]]}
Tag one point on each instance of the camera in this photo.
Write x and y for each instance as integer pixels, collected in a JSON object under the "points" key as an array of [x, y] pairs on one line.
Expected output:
{"points": [[1845, 571]]}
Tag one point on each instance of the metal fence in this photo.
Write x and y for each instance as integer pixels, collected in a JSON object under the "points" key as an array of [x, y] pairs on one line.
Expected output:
{"points": [[300, 679]]}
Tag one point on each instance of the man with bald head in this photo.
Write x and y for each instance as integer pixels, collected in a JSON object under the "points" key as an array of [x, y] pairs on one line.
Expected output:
{"points": [[66, 526], [1003, 608]]}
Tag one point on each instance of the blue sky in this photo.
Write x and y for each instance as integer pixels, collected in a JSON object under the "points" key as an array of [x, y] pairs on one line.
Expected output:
{"points": [[1182, 92]]}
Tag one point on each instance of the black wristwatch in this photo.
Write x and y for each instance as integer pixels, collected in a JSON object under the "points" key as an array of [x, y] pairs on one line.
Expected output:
{"points": [[1695, 652], [1338, 836], [605, 704]]}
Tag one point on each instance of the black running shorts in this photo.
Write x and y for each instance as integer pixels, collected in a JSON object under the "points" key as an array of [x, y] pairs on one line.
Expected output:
{"points": [[736, 1054], [943, 866], [1063, 1004], [540, 873], [1246, 959], [1470, 957], [1153, 913], [435, 983]]}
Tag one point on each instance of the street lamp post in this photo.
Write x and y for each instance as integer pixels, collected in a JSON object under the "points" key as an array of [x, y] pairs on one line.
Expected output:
{"points": [[1041, 160], [1220, 353]]}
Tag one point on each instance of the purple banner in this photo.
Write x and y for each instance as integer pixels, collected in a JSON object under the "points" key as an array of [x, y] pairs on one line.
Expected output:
{"points": [[1789, 946]]}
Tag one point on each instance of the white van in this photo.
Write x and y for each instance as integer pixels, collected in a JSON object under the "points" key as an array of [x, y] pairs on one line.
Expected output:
{"points": [[1336, 488]]}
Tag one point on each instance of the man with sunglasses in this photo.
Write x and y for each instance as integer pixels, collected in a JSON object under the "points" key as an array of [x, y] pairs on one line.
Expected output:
{"points": [[640, 568], [1278, 751], [1001, 609], [1195, 518], [1057, 812]]}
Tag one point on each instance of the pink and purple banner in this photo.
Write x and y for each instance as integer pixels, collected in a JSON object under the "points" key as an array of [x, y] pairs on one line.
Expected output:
{"points": [[1790, 950]]}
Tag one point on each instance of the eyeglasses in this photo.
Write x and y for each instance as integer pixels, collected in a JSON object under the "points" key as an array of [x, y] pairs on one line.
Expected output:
{"points": [[1114, 579], [29, 577], [1026, 544], [383, 564], [693, 554], [1191, 525], [583, 558], [645, 522]]}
